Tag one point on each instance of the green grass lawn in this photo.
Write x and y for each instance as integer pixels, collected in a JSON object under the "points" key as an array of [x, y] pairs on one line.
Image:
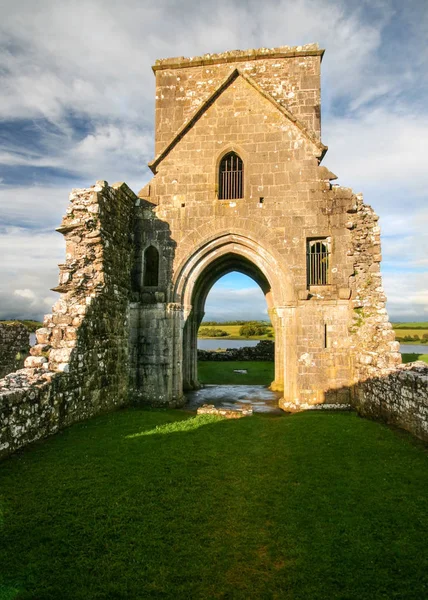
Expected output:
{"points": [[259, 372], [162, 504], [407, 358], [29, 324], [401, 330], [413, 325]]}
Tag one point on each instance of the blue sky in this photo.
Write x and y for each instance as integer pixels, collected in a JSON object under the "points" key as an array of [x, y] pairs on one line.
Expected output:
{"points": [[77, 105]]}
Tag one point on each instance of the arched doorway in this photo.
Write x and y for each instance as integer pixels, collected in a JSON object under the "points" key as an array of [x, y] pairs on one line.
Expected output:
{"points": [[221, 255], [225, 264]]}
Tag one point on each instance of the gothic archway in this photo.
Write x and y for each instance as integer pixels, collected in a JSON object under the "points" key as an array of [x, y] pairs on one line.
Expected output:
{"points": [[215, 258]]}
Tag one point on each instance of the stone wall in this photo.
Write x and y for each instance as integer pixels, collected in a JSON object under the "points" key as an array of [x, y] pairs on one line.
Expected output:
{"points": [[79, 366], [399, 398], [372, 344], [155, 321], [383, 387], [290, 75], [14, 347], [261, 105]]}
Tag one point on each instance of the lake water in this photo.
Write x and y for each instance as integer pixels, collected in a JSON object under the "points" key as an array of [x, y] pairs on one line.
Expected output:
{"points": [[223, 344], [202, 344], [414, 349]]}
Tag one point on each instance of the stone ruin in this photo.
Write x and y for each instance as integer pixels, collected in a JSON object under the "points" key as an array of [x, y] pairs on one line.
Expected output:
{"points": [[237, 185], [14, 346]]}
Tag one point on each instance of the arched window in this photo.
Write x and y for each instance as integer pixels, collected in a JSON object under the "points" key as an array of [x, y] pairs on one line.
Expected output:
{"points": [[231, 177], [151, 266], [318, 257]]}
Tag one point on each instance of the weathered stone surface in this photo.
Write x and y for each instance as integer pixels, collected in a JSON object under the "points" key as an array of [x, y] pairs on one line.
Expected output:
{"points": [[14, 346], [79, 366], [399, 398], [35, 361], [228, 413]]}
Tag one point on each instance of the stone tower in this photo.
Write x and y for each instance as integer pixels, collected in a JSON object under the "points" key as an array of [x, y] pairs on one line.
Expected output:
{"points": [[238, 186]]}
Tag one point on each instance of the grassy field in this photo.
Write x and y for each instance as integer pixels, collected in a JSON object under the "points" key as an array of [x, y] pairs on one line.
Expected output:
{"points": [[233, 333], [407, 358], [163, 504], [411, 329], [401, 333], [30, 325], [415, 325], [259, 372], [401, 330]]}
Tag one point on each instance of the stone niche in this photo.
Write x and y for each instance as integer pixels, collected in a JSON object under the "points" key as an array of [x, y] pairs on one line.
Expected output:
{"points": [[237, 185]]}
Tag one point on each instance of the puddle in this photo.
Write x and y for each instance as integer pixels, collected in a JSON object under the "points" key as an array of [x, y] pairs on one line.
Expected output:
{"points": [[259, 397]]}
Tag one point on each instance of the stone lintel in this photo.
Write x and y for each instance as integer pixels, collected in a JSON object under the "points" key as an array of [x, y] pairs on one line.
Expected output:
{"points": [[181, 62]]}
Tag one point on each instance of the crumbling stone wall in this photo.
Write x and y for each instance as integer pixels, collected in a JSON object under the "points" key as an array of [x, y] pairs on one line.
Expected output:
{"points": [[383, 387], [372, 337], [14, 347], [399, 398], [79, 366]]}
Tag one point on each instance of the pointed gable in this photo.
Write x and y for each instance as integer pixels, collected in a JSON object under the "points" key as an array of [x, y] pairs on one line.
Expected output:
{"points": [[320, 148]]}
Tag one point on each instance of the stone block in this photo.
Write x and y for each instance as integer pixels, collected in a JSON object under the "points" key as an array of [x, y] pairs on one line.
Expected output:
{"points": [[344, 293], [34, 362]]}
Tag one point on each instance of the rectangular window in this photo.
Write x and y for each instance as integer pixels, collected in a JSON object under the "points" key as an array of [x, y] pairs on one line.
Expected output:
{"points": [[318, 262]]}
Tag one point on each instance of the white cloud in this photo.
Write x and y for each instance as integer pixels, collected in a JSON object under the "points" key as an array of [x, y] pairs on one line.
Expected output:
{"points": [[380, 148], [110, 151], [94, 59], [27, 271], [407, 295], [89, 61], [229, 303], [405, 241], [26, 293], [33, 206]]}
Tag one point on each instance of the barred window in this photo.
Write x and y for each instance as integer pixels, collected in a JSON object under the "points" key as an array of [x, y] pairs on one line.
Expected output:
{"points": [[231, 177], [151, 266], [318, 260]]}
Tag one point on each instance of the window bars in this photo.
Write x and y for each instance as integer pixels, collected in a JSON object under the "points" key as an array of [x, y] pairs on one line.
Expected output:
{"points": [[231, 177], [318, 260]]}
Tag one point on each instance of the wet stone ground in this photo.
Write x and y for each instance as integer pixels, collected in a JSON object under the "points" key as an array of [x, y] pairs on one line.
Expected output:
{"points": [[259, 397]]}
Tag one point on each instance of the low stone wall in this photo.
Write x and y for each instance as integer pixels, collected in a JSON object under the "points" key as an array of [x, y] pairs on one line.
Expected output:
{"points": [[79, 366], [399, 398], [265, 350], [14, 347]]}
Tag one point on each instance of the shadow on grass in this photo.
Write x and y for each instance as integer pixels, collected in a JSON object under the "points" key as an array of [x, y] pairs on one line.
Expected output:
{"points": [[412, 357], [314, 505]]}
